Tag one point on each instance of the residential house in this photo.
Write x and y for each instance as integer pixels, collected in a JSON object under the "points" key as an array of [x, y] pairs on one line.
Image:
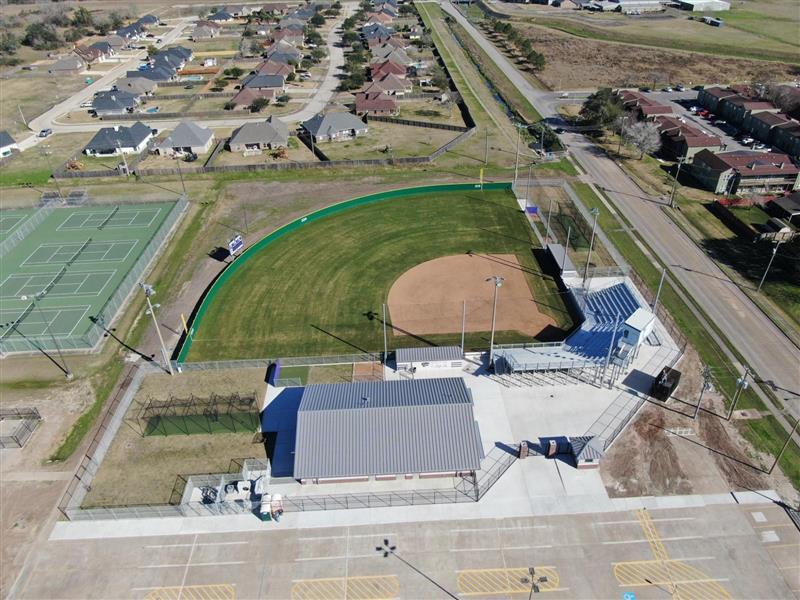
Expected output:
{"points": [[787, 138], [106, 49], [258, 81], [236, 10], [734, 172], [254, 137], [291, 36], [271, 67], [379, 17], [290, 23], [147, 21], [221, 16], [680, 140], [736, 109], [415, 33], [376, 103], [275, 8], [7, 144], [156, 73], [376, 30], [138, 86], [117, 43], [394, 85], [704, 5], [69, 65], [394, 41], [379, 70], [113, 141], [396, 56], [187, 138], [129, 33], [709, 98], [334, 126], [245, 97], [88, 54], [114, 102], [205, 30]]}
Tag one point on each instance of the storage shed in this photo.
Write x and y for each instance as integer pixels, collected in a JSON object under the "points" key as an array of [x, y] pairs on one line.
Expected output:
{"points": [[430, 357]]}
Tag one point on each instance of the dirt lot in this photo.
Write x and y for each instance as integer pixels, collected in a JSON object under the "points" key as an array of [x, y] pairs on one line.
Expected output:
{"points": [[577, 63], [31, 487], [682, 456], [296, 152], [427, 299]]}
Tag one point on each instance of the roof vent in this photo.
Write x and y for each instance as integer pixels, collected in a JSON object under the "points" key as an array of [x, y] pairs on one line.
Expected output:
{"points": [[365, 401]]}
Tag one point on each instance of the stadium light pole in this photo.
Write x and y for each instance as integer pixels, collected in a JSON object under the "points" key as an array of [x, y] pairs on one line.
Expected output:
{"points": [[785, 445], [549, 214], [35, 299], [534, 581], [660, 286], [149, 291], [566, 248], [497, 281], [769, 264], [595, 212]]}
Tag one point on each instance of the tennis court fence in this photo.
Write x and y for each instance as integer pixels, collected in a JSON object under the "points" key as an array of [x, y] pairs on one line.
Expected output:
{"points": [[27, 226]]}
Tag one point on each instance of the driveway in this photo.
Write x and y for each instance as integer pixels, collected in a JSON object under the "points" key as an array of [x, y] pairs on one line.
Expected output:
{"points": [[763, 345]]}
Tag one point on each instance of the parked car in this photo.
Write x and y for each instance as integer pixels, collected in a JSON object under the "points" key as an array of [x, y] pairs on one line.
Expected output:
{"points": [[188, 87], [559, 130], [680, 87], [747, 140], [666, 89], [693, 109], [45, 133]]}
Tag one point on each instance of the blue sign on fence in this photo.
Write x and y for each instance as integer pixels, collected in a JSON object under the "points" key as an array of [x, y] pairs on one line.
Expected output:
{"points": [[236, 244], [534, 210]]}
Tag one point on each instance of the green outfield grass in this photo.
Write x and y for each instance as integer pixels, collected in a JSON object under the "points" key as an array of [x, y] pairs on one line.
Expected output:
{"points": [[316, 289]]}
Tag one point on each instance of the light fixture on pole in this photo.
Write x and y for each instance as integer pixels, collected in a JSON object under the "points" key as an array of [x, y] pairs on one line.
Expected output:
{"points": [[35, 299], [497, 281], [149, 292], [534, 581], [549, 214], [675, 182], [595, 212], [741, 385], [769, 264]]}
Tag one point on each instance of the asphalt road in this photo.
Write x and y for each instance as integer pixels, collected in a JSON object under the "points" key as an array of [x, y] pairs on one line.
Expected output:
{"points": [[724, 551], [763, 345]]}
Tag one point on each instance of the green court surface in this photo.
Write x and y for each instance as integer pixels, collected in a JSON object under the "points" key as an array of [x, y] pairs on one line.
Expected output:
{"points": [[78, 260]]}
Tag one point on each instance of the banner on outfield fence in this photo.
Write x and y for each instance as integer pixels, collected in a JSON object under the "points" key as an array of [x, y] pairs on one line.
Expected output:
{"points": [[236, 244]]}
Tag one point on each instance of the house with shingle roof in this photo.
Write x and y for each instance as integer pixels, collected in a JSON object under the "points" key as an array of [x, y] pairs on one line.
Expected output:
{"points": [[113, 102], [246, 96], [138, 86], [112, 141], [271, 67], [88, 54], [394, 55], [221, 16], [387, 67], [334, 126], [731, 172], [263, 82], [394, 85], [69, 65], [269, 134], [187, 138], [376, 103]]}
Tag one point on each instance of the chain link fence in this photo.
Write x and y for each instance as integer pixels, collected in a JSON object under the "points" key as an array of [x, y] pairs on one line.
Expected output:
{"points": [[18, 425], [31, 223]]}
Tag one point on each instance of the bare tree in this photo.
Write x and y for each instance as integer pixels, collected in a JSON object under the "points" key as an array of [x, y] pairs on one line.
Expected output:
{"points": [[645, 136], [784, 97]]}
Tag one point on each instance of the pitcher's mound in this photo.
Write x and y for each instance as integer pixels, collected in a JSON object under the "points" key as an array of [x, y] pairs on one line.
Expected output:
{"points": [[428, 298]]}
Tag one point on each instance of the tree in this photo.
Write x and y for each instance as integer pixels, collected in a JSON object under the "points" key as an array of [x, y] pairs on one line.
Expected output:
{"points": [[116, 20], [8, 43], [283, 99], [151, 51], [291, 77], [601, 108], [103, 27], [233, 72], [82, 18], [784, 97], [645, 136], [258, 104], [318, 20], [439, 78], [349, 24], [41, 37], [73, 35], [535, 60], [349, 37], [318, 54], [229, 105]]}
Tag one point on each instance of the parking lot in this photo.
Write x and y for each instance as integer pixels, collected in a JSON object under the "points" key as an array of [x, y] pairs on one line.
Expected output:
{"points": [[721, 551]]}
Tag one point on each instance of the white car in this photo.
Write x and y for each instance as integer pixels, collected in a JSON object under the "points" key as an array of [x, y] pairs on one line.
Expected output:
{"points": [[693, 109]]}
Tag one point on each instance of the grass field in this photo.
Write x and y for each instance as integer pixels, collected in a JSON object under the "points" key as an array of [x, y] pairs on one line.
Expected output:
{"points": [[78, 257], [315, 290], [34, 166], [385, 140]]}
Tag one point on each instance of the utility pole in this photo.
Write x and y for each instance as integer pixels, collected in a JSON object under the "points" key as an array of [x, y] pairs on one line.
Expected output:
{"points": [[769, 264], [675, 182], [486, 151], [741, 385], [149, 291], [516, 156], [497, 281], [621, 133], [463, 322], [46, 153], [24, 120], [706, 380], [528, 187], [660, 285], [180, 174], [595, 212], [785, 445]]}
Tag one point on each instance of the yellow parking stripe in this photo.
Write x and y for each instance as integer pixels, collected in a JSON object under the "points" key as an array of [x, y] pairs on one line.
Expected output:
{"points": [[193, 592], [378, 587], [485, 582]]}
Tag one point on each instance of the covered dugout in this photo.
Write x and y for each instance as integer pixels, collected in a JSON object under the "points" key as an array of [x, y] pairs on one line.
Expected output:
{"points": [[429, 357], [383, 430]]}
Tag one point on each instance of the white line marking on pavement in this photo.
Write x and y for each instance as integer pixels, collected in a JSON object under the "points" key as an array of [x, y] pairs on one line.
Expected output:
{"points": [[524, 547], [200, 544], [187, 565]]}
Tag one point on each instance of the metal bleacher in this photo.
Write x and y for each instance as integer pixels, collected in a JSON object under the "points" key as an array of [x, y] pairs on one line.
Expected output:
{"points": [[605, 311]]}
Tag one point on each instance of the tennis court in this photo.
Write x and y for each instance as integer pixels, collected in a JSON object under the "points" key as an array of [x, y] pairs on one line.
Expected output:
{"points": [[74, 270]]}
